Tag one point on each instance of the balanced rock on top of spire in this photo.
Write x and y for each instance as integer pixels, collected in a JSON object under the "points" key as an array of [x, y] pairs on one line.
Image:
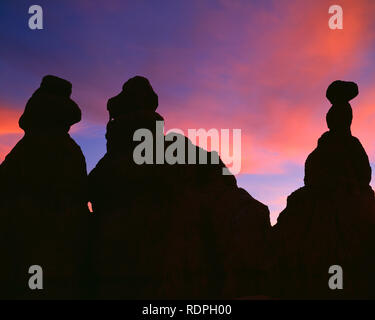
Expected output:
{"points": [[339, 158], [331, 220]]}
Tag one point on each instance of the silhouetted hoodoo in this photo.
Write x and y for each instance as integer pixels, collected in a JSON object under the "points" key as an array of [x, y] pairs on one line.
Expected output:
{"points": [[182, 230], [331, 220], [44, 198], [170, 231]]}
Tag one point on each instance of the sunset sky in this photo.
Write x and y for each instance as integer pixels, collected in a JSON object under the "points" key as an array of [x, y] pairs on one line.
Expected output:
{"points": [[260, 66]]}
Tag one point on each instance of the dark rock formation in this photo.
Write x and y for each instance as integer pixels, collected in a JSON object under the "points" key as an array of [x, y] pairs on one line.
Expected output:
{"points": [[339, 117], [339, 158], [170, 231], [331, 220], [43, 204]]}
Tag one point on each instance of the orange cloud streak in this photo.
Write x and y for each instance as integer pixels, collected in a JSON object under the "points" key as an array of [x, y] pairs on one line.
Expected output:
{"points": [[9, 121]]}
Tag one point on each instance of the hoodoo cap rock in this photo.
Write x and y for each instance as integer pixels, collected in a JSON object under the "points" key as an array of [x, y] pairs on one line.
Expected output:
{"points": [[51, 107], [137, 95], [341, 91]]}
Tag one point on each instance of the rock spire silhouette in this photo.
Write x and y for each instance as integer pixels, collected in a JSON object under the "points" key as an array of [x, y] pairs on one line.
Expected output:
{"points": [[170, 231], [43, 194], [331, 220]]}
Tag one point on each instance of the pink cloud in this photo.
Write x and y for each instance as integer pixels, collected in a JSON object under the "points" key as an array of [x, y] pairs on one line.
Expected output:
{"points": [[272, 83]]}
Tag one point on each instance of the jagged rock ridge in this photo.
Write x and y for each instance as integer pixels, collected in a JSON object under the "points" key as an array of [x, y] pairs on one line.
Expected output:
{"points": [[171, 231]]}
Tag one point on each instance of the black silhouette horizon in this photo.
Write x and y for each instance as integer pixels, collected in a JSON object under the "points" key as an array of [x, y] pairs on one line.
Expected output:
{"points": [[176, 231]]}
